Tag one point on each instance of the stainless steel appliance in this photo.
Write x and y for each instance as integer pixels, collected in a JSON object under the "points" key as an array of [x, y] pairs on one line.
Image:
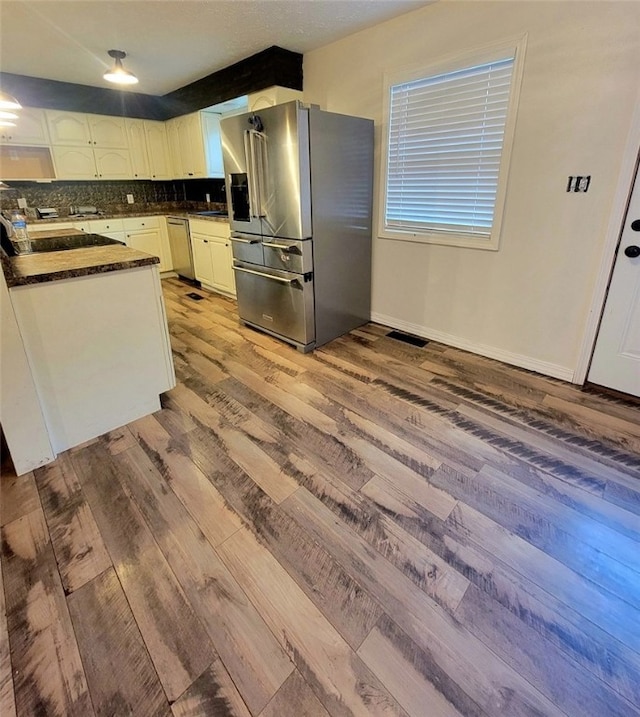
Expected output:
{"points": [[299, 185], [180, 244]]}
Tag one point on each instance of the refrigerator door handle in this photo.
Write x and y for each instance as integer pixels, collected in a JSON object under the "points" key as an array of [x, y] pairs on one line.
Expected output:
{"points": [[254, 155], [280, 279], [242, 240], [287, 248]]}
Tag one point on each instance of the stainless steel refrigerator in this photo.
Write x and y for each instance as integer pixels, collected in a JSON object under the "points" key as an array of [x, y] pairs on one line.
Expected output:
{"points": [[299, 190]]}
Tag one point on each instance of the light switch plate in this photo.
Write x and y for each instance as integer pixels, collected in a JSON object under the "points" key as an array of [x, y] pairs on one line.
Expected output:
{"points": [[129, 198]]}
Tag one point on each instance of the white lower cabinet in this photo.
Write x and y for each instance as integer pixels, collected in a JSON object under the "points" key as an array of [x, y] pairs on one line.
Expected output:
{"points": [[212, 257], [149, 234]]}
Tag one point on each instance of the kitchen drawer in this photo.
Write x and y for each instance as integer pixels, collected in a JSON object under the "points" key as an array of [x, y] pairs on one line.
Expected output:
{"points": [[134, 224], [100, 226], [210, 227]]}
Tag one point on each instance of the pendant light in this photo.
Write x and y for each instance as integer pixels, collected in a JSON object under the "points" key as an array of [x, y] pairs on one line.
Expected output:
{"points": [[118, 74], [7, 102]]}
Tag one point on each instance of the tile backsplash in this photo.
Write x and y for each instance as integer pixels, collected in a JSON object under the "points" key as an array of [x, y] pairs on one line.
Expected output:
{"points": [[111, 196]]}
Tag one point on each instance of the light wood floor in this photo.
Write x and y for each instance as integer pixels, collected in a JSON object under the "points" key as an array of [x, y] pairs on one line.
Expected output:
{"points": [[373, 529]]}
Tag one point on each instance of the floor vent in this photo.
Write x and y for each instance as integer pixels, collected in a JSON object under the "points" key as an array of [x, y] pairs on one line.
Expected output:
{"points": [[413, 340], [194, 296]]}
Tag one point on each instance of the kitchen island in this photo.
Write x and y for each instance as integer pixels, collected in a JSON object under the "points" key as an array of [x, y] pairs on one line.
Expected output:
{"points": [[85, 347]]}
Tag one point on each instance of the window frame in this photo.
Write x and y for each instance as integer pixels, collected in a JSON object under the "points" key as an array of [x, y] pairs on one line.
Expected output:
{"points": [[453, 63]]}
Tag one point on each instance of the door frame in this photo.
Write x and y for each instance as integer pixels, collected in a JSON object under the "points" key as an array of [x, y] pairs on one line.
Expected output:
{"points": [[621, 197]]}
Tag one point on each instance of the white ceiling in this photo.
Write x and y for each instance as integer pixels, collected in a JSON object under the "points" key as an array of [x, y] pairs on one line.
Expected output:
{"points": [[170, 43]]}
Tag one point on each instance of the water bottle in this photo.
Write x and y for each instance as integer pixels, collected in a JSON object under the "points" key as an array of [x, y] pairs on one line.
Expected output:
{"points": [[20, 237]]}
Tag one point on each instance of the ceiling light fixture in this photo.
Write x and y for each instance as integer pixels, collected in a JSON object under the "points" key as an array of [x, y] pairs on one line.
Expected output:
{"points": [[7, 102], [118, 74]]}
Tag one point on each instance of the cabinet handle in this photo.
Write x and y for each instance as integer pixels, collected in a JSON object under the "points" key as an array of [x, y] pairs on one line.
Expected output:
{"points": [[206, 241]]}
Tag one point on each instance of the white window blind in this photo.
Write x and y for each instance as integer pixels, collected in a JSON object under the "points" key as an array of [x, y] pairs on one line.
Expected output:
{"points": [[446, 136]]}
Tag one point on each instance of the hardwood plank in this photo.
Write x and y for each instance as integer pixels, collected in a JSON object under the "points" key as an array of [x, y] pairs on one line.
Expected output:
{"points": [[350, 609], [76, 540], [47, 670], [467, 661], [254, 659], [405, 671], [118, 440], [573, 689], [613, 615], [7, 697], [626, 430], [120, 674], [587, 547], [212, 694], [294, 699], [19, 496], [557, 457], [173, 420], [257, 464], [588, 645], [322, 448], [198, 495], [343, 683], [171, 631]]}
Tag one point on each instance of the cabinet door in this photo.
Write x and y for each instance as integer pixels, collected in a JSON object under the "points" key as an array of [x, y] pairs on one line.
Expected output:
{"points": [[108, 131], [158, 150], [174, 148], [213, 144], [191, 146], [222, 266], [202, 259], [31, 128], [74, 163], [113, 163], [138, 149], [68, 128], [147, 241]]}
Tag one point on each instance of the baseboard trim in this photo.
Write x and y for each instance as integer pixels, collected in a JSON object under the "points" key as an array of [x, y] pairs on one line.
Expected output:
{"points": [[544, 367]]}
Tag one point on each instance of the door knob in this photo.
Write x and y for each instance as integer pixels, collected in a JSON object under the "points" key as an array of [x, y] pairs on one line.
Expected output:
{"points": [[632, 251]]}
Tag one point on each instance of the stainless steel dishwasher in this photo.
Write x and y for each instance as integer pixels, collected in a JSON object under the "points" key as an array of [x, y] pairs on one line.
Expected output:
{"points": [[180, 243]]}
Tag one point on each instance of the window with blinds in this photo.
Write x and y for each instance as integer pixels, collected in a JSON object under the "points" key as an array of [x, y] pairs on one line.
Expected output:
{"points": [[445, 155]]}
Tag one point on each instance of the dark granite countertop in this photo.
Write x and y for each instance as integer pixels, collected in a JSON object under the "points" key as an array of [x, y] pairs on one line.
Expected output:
{"points": [[40, 267]]}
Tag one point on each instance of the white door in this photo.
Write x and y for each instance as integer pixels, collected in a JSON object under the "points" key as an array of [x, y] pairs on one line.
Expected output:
{"points": [[616, 359]]}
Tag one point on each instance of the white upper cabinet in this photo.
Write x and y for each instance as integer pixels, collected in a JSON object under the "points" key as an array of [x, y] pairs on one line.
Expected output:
{"points": [[68, 128], [194, 142], [30, 129], [213, 143], [158, 150], [138, 148], [112, 163], [79, 129], [74, 163], [108, 131]]}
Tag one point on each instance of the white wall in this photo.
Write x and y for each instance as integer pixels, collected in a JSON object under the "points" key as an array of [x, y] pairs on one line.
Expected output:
{"points": [[528, 303]]}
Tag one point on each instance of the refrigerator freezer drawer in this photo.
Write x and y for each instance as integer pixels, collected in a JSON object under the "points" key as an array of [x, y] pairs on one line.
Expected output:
{"points": [[288, 255], [278, 301], [247, 247]]}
